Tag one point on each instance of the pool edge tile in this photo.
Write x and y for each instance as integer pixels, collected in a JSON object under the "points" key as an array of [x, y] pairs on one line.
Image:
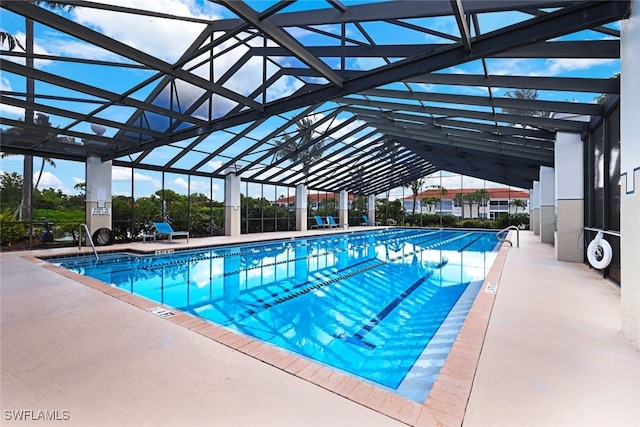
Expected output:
{"points": [[450, 390]]}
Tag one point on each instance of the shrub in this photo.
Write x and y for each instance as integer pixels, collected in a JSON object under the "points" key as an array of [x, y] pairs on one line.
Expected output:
{"points": [[520, 220], [475, 223], [11, 231]]}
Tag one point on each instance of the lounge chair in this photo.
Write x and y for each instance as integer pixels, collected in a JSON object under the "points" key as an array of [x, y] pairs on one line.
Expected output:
{"points": [[391, 221], [320, 223], [164, 229], [332, 222], [366, 221]]}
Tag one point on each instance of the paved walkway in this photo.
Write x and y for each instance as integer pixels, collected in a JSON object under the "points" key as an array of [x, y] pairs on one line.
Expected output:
{"points": [[553, 355]]}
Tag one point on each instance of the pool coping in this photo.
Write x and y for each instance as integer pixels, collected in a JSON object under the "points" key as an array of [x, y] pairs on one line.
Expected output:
{"points": [[449, 395]]}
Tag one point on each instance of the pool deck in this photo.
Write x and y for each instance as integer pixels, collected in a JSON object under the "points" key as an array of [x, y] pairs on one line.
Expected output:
{"points": [[544, 350]]}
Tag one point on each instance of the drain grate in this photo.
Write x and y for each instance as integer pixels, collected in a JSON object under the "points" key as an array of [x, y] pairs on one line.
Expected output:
{"points": [[161, 311]]}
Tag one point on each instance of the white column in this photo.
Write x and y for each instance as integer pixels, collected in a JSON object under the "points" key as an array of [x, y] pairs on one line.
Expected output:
{"points": [[569, 184], [547, 204], [630, 174], [98, 198], [371, 206], [232, 221], [534, 206], [301, 207], [343, 208]]}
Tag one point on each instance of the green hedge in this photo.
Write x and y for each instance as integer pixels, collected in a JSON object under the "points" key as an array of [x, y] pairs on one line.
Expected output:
{"points": [[11, 231]]}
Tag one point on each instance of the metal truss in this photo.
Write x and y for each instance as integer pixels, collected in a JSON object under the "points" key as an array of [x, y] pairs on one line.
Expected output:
{"points": [[393, 90]]}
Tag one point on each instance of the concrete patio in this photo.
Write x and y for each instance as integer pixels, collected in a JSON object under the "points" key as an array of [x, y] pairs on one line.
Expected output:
{"points": [[553, 355]]}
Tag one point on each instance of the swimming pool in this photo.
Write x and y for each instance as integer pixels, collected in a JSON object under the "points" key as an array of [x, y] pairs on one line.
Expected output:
{"points": [[384, 305]]}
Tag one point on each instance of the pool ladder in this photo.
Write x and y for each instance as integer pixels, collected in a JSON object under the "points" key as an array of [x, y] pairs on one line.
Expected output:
{"points": [[88, 237], [511, 227]]}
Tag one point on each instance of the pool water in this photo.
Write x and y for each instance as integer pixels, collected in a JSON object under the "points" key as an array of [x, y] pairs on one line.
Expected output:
{"points": [[367, 303]]}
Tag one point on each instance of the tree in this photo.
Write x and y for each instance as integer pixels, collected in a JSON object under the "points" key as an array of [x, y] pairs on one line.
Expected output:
{"points": [[10, 191], [429, 203], [524, 95], [518, 203], [415, 189], [470, 199], [603, 97], [42, 121], [482, 196], [459, 199], [13, 42], [305, 136]]}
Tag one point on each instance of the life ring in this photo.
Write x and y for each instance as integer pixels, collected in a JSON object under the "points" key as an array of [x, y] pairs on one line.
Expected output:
{"points": [[599, 252], [102, 237]]}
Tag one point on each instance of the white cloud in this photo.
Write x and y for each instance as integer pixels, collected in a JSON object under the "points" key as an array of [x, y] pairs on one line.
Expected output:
{"points": [[168, 39], [214, 165], [49, 180], [196, 185], [37, 48], [119, 173], [77, 49], [562, 65], [9, 110], [164, 38], [4, 84], [520, 67]]}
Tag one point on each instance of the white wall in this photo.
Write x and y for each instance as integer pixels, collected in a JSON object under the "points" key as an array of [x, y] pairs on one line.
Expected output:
{"points": [[630, 171]]}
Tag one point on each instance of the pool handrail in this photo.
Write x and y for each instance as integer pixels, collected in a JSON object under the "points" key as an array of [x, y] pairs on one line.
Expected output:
{"points": [[511, 227], [88, 237]]}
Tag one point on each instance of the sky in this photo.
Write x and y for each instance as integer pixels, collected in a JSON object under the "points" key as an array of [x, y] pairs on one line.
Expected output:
{"points": [[144, 35]]}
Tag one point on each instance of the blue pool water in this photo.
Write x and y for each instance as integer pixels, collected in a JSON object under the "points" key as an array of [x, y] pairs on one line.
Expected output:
{"points": [[367, 303]]}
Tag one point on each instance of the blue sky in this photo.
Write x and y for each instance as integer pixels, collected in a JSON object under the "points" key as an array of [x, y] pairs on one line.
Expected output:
{"points": [[168, 41]]}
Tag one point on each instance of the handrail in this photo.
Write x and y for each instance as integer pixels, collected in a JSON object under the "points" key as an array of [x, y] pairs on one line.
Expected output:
{"points": [[89, 237], [613, 233], [511, 227]]}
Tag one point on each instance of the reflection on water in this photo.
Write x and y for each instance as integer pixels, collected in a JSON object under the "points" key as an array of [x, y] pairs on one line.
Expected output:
{"points": [[367, 303]]}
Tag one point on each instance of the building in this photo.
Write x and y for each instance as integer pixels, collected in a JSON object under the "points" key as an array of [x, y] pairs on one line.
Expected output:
{"points": [[314, 201], [499, 201]]}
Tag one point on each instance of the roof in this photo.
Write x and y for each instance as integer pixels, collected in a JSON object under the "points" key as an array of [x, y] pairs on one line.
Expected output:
{"points": [[392, 91], [494, 193], [315, 197]]}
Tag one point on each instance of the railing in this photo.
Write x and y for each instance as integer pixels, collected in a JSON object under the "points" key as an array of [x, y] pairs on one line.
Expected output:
{"points": [[613, 233], [88, 237], [511, 227]]}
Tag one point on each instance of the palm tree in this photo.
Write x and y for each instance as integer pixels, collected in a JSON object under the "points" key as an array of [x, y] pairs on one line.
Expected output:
{"points": [[524, 94], [459, 199], [11, 40], [415, 189], [429, 203], [470, 198], [518, 203], [41, 120], [290, 146], [482, 196], [27, 188]]}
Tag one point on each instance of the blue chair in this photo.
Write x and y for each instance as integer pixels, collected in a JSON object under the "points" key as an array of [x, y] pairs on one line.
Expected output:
{"points": [[366, 221], [320, 223], [164, 229], [332, 222]]}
